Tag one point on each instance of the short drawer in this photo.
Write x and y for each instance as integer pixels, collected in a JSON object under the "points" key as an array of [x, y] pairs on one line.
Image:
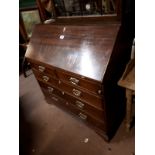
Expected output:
{"points": [[48, 89], [46, 78], [90, 109], [81, 94], [45, 70], [58, 101], [94, 87]]}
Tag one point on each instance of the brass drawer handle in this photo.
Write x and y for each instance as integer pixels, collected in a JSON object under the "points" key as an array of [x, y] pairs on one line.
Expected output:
{"points": [[50, 89], [54, 98], [74, 81], [99, 91], [67, 103], [82, 116], [79, 104], [76, 92], [46, 78], [41, 68]]}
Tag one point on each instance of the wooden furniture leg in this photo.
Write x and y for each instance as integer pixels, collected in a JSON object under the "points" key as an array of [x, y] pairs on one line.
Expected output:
{"points": [[128, 108]]}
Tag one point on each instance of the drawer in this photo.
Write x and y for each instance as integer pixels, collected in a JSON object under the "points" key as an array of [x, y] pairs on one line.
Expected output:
{"points": [[45, 78], [85, 107], [77, 103], [42, 69], [58, 101], [81, 94], [87, 118], [48, 89], [94, 87]]}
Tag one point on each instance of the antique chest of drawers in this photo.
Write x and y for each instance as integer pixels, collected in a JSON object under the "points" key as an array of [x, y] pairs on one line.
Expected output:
{"points": [[77, 68]]}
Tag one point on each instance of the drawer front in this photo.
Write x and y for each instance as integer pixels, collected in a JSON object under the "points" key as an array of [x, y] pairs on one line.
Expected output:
{"points": [[45, 70], [83, 106], [94, 87], [77, 103], [48, 89], [82, 115], [80, 94], [45, 78], [85, 117]]}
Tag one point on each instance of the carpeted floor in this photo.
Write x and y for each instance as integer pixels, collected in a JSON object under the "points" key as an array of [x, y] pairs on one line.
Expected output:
{"points": [[47, 130]]}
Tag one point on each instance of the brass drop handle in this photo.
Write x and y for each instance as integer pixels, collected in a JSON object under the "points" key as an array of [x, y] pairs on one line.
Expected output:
{"points": [[50, 89], [82, 116], [74, 81], [46, 78], [41, 68], [76, 92], [54, 98], [99, 91], [79, 104]]}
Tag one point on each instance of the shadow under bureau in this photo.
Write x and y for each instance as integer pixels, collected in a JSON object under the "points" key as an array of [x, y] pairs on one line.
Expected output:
{"points": [[77, 68]]}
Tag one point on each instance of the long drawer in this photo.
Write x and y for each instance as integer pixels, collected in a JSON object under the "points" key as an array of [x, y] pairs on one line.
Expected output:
{"points": [[58, 101], [77, 103], [81, 94]]}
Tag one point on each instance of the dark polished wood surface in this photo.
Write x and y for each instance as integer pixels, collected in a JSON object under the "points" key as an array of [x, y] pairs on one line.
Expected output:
{"points": [[77, 49], [81, 65], [84, 95]]}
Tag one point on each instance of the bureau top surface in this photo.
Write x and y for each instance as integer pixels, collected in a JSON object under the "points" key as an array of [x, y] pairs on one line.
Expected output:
{"points": [[83, 50]]}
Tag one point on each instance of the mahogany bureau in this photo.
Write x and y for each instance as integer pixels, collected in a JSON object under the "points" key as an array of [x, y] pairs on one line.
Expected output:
{"points": [[77, 68]]}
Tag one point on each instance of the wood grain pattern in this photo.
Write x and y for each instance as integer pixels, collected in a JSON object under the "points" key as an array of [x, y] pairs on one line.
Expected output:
{"points": [[77, 49], [91, 120], [92, 86], [84, 83], [87, 106], [84, 96], [94, 57]]}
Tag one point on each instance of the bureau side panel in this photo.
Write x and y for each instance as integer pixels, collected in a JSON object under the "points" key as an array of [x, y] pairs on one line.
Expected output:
{"points": [[115, 95]]}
